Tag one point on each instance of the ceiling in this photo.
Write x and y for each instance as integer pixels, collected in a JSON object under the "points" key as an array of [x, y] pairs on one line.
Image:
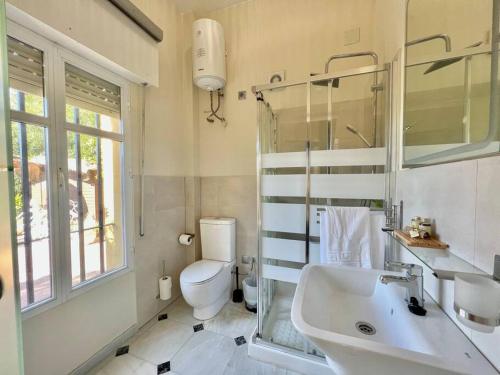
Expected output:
{"points": [[204, 5]]}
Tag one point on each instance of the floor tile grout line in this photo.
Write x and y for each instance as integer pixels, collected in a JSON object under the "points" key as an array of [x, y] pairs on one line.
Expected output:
{"points": [[142, 359], [148, 326], [182, 346]]}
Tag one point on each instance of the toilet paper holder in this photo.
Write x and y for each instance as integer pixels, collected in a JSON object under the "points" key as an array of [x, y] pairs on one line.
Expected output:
{"points": [[186, 238]]}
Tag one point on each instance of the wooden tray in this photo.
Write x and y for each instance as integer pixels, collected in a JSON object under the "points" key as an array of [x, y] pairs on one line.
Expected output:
{"points": [[420, 242]]}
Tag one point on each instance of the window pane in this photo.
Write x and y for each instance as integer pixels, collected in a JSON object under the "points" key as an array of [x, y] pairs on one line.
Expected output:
{"points": [[26, 78], [95, 206], [31, 201], [91, 101]]}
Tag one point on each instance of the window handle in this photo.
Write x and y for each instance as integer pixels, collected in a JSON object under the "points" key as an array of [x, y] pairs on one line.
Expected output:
{"points": [[62, 180]]}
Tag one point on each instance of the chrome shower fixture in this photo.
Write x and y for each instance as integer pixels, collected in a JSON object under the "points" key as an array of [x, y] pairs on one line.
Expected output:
{"points": [[359, 135], [447, 45], [445, 37], [335, 81], [441, 64], [373, 55]]}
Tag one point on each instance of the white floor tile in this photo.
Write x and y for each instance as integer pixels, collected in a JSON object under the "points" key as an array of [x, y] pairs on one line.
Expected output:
{"points": [[211, 351], [232, 322], [182, 312], [161, 341], [205, 353], [127, 365], [241, 363]]}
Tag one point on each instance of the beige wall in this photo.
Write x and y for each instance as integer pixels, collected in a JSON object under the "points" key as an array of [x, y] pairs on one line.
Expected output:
{"points": [[171, 191], [264, 37], [465, 21], [168, 136], [101, 29], [234, 196], [59, 340]]}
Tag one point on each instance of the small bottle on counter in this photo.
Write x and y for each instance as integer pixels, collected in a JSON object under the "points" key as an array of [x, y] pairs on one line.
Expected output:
{"points": [[415, 222], [425, 229]]}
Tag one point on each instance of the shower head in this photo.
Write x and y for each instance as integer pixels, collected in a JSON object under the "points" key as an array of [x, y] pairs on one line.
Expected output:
{"points": [[441, 64], [335, 81], [444, 63], [359, 135]]}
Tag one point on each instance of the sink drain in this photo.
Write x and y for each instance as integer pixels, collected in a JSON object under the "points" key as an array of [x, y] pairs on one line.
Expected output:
{"points": [[365, 328]]}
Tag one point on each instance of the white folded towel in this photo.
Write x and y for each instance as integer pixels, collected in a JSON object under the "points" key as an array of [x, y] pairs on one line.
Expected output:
{"points": [[345, 236]]}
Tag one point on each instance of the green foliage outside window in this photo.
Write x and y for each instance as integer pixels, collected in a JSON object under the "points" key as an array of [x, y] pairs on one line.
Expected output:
{"points": [[36, 139]]}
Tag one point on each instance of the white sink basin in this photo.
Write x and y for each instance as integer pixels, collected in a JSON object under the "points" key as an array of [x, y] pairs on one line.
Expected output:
{"points": [[330, 300]]}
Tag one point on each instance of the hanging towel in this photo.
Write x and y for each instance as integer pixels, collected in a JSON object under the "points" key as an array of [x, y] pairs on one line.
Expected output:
{"points": [[345, 236]]}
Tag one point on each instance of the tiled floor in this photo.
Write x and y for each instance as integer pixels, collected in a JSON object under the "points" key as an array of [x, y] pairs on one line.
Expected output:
{"points": [[212, 350]]}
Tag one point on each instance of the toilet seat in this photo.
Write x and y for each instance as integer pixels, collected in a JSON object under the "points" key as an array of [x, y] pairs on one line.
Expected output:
{"points": [[201, 271]]}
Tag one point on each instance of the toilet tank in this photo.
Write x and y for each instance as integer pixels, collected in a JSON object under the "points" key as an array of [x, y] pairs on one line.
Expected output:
{"points": [[218, 238]]}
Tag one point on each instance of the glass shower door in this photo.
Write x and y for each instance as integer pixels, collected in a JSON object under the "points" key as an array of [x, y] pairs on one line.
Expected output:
{"points": [[282, 209], [321, 143]]}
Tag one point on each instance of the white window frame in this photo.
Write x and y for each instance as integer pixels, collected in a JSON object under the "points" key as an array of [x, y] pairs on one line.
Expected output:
{"points": [[55, 58]]}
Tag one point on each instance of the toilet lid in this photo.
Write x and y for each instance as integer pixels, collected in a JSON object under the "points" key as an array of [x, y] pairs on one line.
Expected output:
{"points": [[201, 271]]}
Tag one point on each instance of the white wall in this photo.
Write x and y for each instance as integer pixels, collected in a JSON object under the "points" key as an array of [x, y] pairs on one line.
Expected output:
{"points": [[59, 340], [463, 199]]}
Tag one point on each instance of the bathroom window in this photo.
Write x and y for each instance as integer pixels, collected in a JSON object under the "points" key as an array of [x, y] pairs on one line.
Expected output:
{"points": [[69, 153], [30, 146], [94, 174]]}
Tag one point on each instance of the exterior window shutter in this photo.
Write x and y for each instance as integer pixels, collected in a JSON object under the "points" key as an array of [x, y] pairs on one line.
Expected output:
{"points": [[86, 91], [25, 67]]}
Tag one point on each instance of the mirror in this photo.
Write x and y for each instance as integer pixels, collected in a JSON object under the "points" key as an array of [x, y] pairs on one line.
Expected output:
{"points": [[451, 81]]}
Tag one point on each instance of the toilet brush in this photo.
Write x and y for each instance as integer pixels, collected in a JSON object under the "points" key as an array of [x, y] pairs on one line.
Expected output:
{"points": [[237, 293]]}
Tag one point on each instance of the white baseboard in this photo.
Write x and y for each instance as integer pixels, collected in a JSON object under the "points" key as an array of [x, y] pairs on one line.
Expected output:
{"points": [[101, 355]]}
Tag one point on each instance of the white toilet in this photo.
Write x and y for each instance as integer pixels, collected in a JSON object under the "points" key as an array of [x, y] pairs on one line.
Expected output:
{"points": [[206, 284]]}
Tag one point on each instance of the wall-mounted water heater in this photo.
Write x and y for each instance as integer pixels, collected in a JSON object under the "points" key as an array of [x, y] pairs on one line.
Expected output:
{"points": [[209, 63]]}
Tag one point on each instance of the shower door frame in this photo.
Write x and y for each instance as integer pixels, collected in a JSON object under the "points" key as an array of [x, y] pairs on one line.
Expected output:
{"points": [[257, 90]]}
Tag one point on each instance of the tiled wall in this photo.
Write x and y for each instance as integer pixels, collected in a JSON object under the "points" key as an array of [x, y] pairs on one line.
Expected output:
{"points": [[233, 196], [174, 205], [164, 220], [464, 200]]}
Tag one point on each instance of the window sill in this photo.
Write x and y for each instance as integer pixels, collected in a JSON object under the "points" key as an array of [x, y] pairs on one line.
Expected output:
{"points": [[98, 281], [47, 305]]}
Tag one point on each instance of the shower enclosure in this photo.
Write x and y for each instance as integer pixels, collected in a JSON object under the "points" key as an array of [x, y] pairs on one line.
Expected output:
{"points": [[322, 142]]}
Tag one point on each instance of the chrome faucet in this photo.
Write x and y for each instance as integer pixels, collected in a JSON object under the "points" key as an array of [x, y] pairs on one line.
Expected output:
{"points": [[413, 281]]}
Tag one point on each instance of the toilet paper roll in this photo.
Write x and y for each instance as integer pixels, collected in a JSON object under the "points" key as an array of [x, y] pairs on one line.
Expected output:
{"points": [[165, 288], [186, 239]]}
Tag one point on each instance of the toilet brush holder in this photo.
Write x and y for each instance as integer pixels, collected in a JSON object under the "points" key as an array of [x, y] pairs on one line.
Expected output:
{"points": [[237, 293]]}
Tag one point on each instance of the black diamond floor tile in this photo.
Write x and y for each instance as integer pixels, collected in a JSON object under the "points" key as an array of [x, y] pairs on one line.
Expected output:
{"points": [[198, 327], [240, 340], [162, 317], [121, 351], [163, 368]]}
